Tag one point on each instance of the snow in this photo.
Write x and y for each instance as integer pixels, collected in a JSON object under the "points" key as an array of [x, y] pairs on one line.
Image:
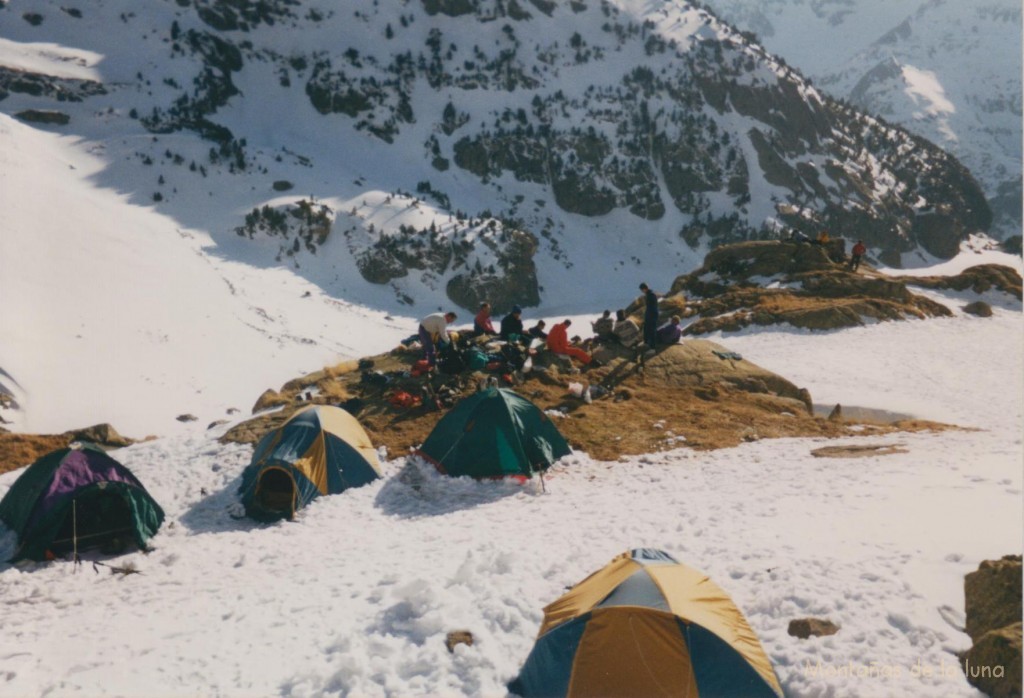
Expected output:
{"points": [[114, 311], [356, 596]]}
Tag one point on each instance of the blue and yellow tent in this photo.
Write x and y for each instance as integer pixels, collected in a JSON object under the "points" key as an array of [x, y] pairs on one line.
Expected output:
{"points": [[319, 450], [646, 625]]}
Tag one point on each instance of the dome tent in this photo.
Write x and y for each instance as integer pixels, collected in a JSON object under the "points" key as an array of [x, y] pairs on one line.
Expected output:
{"points": [[646, 625], [319, 450], [494, 433], [78, 498]]}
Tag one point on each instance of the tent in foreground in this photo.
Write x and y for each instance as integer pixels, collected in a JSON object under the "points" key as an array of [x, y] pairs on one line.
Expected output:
{"points": [[494, 433], [646, 625], [78, 498], [320, 450]]}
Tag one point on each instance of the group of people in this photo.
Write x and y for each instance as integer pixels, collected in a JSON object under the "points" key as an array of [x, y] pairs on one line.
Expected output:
{"points": [[856, 254], [433, 330]]}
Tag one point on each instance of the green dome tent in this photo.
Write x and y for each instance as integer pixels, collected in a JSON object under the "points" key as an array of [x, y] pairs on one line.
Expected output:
{"points": [[77, 498], [494, 433]]}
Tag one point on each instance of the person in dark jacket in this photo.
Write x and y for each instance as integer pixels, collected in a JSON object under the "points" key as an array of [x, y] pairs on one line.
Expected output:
{"points": [[537, 331], [512, 325], [670, 332], [650, 316]]}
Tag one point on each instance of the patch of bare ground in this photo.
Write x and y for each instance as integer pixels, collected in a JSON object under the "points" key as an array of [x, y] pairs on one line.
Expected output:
{"points": [[858, 451], [19, 450], [686, 396]]}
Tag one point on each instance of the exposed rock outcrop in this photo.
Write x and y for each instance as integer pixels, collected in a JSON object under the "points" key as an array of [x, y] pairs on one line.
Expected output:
{"points": [[801, 284], [992, 596]]}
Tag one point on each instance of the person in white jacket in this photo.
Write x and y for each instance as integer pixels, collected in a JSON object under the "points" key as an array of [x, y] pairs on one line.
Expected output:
{"points": [[434, 331]]}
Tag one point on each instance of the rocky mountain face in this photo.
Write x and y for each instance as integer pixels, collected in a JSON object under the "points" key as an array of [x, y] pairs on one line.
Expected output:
{"points": [[520, 124], [947, 71]]}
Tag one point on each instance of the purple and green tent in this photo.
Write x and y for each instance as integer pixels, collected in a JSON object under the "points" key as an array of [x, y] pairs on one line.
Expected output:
{"points": [[78, 497]]}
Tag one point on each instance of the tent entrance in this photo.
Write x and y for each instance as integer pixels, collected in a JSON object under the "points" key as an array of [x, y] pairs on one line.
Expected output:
{"points": [[101, 520], [275, 493]]}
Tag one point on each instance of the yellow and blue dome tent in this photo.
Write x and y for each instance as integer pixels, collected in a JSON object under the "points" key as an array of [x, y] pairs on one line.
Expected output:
{"points": [[320, 450], [646, 625]]}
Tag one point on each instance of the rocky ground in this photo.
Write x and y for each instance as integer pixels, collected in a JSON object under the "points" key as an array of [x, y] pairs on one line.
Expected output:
{"points": [[684, 395], [810, 286]]}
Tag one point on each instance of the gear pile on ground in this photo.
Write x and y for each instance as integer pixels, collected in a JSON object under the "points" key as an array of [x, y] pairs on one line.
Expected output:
{"points": [[696, 394]]}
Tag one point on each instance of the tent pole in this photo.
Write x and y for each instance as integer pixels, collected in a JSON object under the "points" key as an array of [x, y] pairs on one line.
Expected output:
{"points": [[74, 533]]}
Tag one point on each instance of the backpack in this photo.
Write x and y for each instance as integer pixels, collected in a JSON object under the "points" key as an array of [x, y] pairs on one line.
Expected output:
{"points": [[476, 359], [451, 360]]}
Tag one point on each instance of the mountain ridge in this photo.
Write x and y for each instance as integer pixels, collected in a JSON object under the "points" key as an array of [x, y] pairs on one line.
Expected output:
{"points": [[559, 121]]}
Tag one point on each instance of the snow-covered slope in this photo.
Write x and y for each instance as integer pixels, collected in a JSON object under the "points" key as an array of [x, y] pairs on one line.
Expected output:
{"points": [[950, 71], [112, 312], [356, 597]]}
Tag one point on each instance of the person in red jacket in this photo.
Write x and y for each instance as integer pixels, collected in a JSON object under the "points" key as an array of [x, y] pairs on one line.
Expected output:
{"points": [[482, 323], [857, 252], [558, 343]]}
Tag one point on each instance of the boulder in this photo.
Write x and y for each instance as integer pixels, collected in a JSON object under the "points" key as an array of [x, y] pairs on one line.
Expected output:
{"points": [[992, 595], [101, 435], [993, 664], [804, 628], [695, 363], [979, 308], [269, 398], [458, 637]]}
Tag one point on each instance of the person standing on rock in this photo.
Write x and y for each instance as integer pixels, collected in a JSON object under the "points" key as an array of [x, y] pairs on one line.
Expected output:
{"points": [[858, 251], [650, 317], [434, 331]]}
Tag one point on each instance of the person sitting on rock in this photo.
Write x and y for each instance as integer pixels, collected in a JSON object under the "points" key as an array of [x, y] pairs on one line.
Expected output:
{"points": [[625, 330], [670, 332], [537, 331], [604, 327], [482, 324], [558, 343], [512, 325], [823, 238]]}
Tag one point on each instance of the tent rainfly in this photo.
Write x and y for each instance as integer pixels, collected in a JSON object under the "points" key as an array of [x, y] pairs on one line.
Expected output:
{"points": [[78, 498], [494, 433], [320, 450], [646, 625]]}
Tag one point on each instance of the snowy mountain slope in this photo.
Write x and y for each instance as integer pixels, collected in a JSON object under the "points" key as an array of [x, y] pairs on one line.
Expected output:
{"points": [[949, 71], [111, 312], [239, 139], [554, 128]]}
